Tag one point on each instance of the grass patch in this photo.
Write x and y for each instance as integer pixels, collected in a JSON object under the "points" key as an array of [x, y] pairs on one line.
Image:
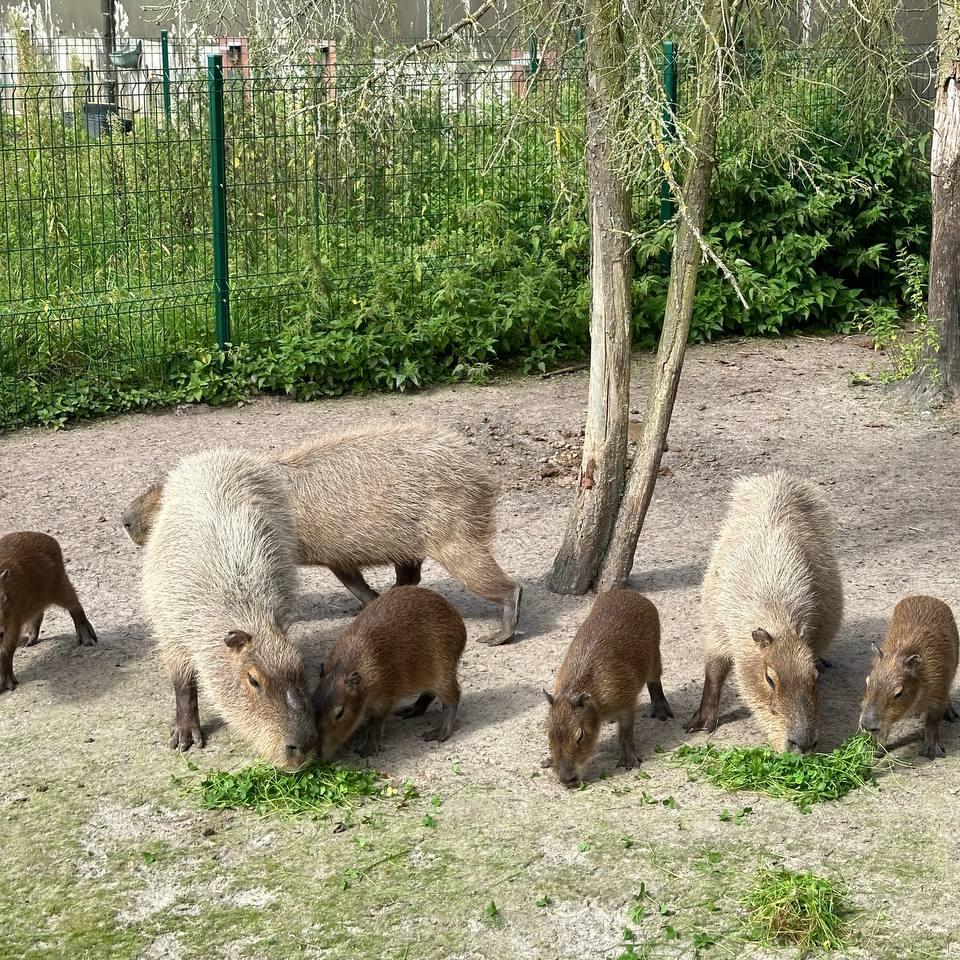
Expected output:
{"points": [[269, 790], [803, 909], [802, 779]]}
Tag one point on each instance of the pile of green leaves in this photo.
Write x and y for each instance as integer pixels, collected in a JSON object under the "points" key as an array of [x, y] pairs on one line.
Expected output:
{"points": [[801, 909], [803, 779], [268, 790]]}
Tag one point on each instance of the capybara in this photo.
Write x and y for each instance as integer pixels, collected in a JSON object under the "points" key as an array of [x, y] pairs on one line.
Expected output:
{"points": [[913, 672], [772, 603], [614, 653], [405, 643], [32, 578], [379, 495], [217, 578]]}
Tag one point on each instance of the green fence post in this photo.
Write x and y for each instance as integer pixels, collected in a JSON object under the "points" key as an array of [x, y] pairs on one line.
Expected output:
{"points": [[534, 55], [165, 64], [218, 190], [668, 206]]}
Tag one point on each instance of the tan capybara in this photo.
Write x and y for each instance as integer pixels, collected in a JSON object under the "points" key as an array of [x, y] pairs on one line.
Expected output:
{"points": [[913, 672], [32, 578], [218, 576], [406, 643], [379, 495], [614, 653], [772, 603]]}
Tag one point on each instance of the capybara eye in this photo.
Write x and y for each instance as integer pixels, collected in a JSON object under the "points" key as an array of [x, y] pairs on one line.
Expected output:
{"points": [[898, 694], [254, 682], [579, 734], [338, 713], [770, 681]]}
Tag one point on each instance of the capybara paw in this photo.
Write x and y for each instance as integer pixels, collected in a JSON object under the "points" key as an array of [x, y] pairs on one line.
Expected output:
{"points": [[185, 736], [934, 751], [546, 762], [437, 733], [86, 637], [8, 684], [497, 639], [661, 711], [367, 749], [31, 638], [700, 722], [631, 760]]}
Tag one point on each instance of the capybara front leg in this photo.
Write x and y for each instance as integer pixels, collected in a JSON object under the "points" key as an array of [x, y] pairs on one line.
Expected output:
{"points": [[373, 736], [408, 574], [186, 731], [85, 633], [659, 707], [353, 580], [8, 646], [417, 709], [450, 698], [629, 758], [32, 635], [707, 717], [932, 735]]}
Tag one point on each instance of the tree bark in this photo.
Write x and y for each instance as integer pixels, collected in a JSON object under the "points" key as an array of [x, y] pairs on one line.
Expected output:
{"points": [[681, 294], [604, 461], [943, 307]]}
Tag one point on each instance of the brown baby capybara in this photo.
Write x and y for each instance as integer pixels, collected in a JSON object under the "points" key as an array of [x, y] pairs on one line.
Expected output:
{"points": [[614, 653], [32, 578], [405, 643], [913, 672]]}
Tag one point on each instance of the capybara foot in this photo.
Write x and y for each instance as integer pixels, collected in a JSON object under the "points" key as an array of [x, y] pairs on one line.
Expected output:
{"points": [[31, 637], [546, 762], [933, 751], [438, 733], [508, 627], [822, 663], [86, 636], [8, 683], [659, 708], [661, 711], [630, 759], [950, 715], [702, 720], [184, 735]]}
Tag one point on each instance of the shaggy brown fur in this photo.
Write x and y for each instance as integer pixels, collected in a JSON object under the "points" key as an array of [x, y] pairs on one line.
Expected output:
{"points": [[913, 672], [614, 653], [405, 643], [32, 578]]}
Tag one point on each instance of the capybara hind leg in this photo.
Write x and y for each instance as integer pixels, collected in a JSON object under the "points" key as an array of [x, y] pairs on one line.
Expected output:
{"points": [[69, 601], [8, 646], [659, 707], [629, 758], [932, 736], [474, 566], [417, 709], [450, 698], [372, 737], [186, 731], [353, 580], [408, 574], [950, 715], [707, 717], [32, 635]]}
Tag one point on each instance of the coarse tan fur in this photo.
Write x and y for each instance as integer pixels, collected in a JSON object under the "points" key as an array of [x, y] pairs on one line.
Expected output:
{"points": [[217, 579], [405, 643], [913, 672], [376, 495], [614, 653], [32, 578], [772, 603]]}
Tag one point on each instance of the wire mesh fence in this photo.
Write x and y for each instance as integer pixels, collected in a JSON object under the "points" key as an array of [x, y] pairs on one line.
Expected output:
{"points": [[107, 229]]}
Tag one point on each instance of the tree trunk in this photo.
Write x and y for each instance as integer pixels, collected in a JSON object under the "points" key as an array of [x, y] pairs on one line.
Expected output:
{"points": [[681, 293], [943, 305], [604, 462]]}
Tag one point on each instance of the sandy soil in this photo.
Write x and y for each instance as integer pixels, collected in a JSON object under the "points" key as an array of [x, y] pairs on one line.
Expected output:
{"points": [[102, 854]]}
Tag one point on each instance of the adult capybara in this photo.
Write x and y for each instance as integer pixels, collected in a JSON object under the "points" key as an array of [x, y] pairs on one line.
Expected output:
{"points": [[772, 602], [405, 643], [913, 673], [217, 578], [378, 495], [614, 653], [32, 578]]}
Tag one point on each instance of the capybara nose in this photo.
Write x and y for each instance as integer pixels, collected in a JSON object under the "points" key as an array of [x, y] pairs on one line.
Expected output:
{"points": [[801, 745], [870, 722]]}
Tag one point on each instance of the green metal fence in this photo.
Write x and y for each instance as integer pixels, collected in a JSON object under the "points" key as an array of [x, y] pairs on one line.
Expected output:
{"points": [[140, 231]]}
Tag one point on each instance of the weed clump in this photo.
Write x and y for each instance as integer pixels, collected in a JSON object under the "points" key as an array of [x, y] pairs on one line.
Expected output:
{"points": [[789, 908], [803, 779]]}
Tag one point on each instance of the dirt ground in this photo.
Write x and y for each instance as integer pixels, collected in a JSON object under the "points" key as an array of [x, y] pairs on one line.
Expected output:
{"points": [[103, 855]]}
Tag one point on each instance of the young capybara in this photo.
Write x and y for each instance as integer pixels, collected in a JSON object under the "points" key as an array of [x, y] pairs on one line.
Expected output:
{"points": [[772, 603], [405, 643], [217, 579], [614, 653], [379, 495], [913, 672], [32, 578]]}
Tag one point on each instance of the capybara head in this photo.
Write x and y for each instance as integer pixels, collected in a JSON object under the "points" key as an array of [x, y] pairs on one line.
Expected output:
{"points": [[573, 725], [781, 681], [267, 699], [138, 518], [339, 702], [892, 688]]}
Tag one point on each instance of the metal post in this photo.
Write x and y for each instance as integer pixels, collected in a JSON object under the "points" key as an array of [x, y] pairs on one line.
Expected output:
{"points": [[668, 206], [218, 189], [534, 58], [165, 63]]}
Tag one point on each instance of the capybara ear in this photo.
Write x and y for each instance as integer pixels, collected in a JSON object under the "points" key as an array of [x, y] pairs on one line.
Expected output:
{"points": [[878, 650], [353, 680], [913, 664], [580, 699], [237, 639], [549, 696], [761, 638]]}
